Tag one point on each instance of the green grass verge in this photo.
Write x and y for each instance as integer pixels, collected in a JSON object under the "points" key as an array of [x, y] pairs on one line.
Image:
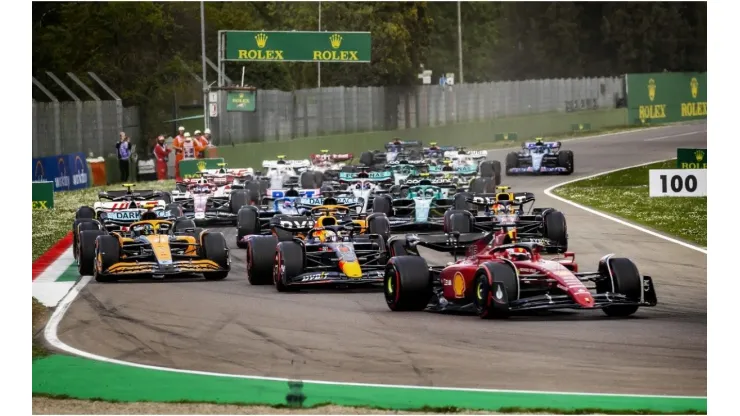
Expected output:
{"points": [[626, 194], [49, 226], [38, 319]]}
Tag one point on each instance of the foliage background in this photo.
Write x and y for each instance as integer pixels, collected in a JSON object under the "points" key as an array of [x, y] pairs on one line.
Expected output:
{"points": [[134, 46]]}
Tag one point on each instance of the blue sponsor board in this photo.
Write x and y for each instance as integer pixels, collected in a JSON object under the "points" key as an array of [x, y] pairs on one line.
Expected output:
{"points": [[67, 172]]}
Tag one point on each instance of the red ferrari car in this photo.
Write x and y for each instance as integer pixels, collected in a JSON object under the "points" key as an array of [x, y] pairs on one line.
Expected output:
{"points": [[499, 276]]}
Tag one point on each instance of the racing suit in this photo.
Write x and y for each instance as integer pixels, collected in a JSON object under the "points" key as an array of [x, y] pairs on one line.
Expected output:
{"points": [[161, 153]]}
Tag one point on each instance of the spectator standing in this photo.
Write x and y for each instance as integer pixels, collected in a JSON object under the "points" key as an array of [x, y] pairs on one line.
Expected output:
{"points": [[161, 153], [177, 145], [123, 149]]}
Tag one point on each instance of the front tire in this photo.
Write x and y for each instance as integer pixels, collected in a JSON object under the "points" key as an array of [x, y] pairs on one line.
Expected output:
{"points": [[496, 285], [214, 249], [407, 284], [627, 282], [86, 258], [247, 223], [108, 251], [289, 263], [556, 229], [260, 258]]}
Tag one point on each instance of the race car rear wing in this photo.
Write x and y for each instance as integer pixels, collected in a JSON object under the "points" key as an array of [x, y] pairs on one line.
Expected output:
{"points": [[404, 144], [345, 201], [462, 170], [520, 198], [455, 243], [304, 163], [135, 196], [293, 224], [534, 145], [333, 157], [469, 154], [367, 176]]}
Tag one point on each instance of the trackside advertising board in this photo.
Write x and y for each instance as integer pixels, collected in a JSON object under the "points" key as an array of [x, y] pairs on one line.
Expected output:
{"points": [[67, 172], [666, 97], [42, 194], [297, 46], [189, 168], [691, 158]]}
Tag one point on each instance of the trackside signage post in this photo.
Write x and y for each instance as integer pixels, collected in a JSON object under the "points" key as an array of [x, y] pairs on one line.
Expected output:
{"points": [[691, 158], [42, 193], [666, 97], [678, 182]]}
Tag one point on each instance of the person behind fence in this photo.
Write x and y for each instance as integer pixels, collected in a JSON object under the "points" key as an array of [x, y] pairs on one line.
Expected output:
{"points": [[161, 153], [177, 145], [201, 139], [123, 149], [190, 147]]}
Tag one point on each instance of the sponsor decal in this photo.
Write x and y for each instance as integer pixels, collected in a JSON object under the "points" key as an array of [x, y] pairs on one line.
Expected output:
{"points": [[297, 223], [314, 277], [458, 285]]}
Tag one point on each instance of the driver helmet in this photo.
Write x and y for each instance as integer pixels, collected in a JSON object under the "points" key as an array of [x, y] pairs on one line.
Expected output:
{"points": [[287, 204], [518, 253]]}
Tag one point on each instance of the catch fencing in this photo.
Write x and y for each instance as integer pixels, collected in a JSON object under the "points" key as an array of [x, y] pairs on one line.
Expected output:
{"points": [[283, 115], [92, 126]]}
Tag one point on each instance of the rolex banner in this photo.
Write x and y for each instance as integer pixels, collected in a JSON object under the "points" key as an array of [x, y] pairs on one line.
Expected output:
{"points": [[190, 168], [666, 97], [240, 101], [691, 158], [297, 46]]}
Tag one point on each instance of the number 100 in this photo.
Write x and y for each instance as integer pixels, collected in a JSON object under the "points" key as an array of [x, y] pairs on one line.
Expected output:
{"points": [[678, 183]]}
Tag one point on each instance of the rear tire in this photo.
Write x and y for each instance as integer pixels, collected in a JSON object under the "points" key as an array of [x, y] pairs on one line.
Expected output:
{"points": [[627, 282], [308, 180], [382, 205], [247, 223], [565, 160], [175, 210], [80, 225], [86, 259], [109, 251], [490, 302], [458, 220], [460, 201], [556, 230], [182, 224], [366, 158], [378, 223], [407, 284], [512, 161], [289, 263], [238, 199], [260, 258], [214, 249], [85, 212]]}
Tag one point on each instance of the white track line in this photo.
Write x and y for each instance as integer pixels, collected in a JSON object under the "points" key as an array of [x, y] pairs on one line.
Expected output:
{"points": [[549, 193], [52, 327], [50, 332], [653, 139]]}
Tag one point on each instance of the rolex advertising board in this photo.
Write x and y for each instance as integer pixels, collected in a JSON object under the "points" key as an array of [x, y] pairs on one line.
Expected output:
{"points": [[666, 97], [297, 46], [190, 168]]}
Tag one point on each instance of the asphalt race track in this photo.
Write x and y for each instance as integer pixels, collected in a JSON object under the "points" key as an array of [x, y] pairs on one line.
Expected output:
{"points": [[232, 327]]}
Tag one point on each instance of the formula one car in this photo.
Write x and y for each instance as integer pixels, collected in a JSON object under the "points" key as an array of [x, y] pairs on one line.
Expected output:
{"points": [[282, 173], [421, 208], [206, 202], [154, 248], [394, 150], [434, 152], [540, 158], [328, 254], [329, 165], [545, 226], [364, 186], [499, 277], [116, 210]]}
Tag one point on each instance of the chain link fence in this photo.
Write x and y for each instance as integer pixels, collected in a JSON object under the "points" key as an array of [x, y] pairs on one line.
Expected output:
{"points": [[339, 110]]}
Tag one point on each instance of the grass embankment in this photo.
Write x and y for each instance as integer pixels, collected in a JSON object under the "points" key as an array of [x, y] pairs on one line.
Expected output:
{"points": [[626, 194], [49, 226]]}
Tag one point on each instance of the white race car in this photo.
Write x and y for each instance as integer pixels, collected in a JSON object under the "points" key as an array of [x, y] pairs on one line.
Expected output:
{"points": [[364, 186], [462, 157], [284, 173]]}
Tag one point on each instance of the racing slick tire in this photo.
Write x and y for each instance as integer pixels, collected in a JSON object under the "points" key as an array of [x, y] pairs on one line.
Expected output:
{"points": [[458, 220], [238, 199], [174, 209], [491, 169], [326, 190], [289, 262], [626, 281], [399, 191], [108, 251], [86, 258], [495, 286], [460, 201], [377, 223], [181, 224], [80, 225], [556, 230], [214, 249], [482, 186], [247, 223], [565, 160], [254, 192], [260, 256], [367, 158], [512, 161], [85, 212], [397, 246], [383, 205], [308, 180], [407, 284], [318, 178]]}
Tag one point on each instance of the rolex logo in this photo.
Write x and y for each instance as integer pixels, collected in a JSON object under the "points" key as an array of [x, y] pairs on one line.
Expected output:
{"points": [[201, 166], [261, 39], [651, 89], [699, 155], [694, 87], [336, 41]]}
